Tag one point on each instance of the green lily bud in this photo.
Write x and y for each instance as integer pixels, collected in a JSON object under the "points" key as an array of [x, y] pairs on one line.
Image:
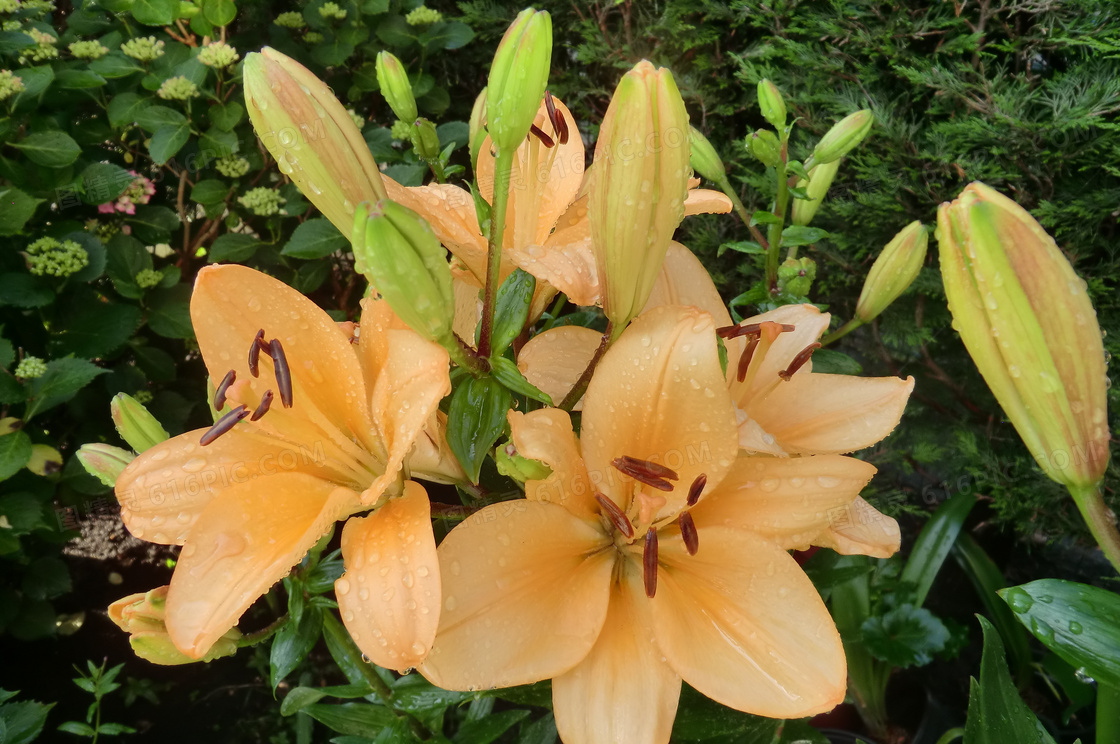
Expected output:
{"points": [[796, 275], [104, 461], [820, 178], [135, 425], [395, 87], [45, 460], [477, 127], [142, 617], [771, 103], [893, 271], [764, 145], [425, 139], [1028, 324], [403, 259], [844, 135], [518, 77], [519, 468], [704, 158]]}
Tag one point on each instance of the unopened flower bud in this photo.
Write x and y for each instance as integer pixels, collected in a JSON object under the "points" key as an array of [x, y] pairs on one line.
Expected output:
{"points": [[518, 77], [638, 188], [796, 275], [519, 468], [771, 103], [704, 158], [403, 259], [142, 617], [425, 139], [477, 127], [45, 460], [845, 135], [820, 178], [104, 461], [893, 271], [1028, 324], [135, 425], [766, 148], [395, 87], [311, 135]]}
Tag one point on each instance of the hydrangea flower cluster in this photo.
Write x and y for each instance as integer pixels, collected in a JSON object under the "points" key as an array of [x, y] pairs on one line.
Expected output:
{"points": [[177, 88], [423, 16], [10, 84], [143, 49], [291, 19], [148, 278], [357, 118], [44, 47], [50, 257], [232, 166], [218, 54], [9, 6], [401, 130], [30, 368], [138, 192], [88, 49], [103, 230], [331, 10], [262, 201], [313, 37]]}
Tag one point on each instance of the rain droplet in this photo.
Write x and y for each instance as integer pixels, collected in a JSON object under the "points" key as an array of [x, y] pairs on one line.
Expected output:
{"points": [[342, 586]]}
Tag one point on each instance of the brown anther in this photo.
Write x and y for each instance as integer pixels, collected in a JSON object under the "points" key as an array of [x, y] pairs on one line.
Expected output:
{"points": [[696, 489], [559, 125], [263, 406], [745, 359], [255, 353], [688, 533], [644, 471], [798, 361], [544, 138], [735, 331], [283, 373], [613, 513], [649, 563], [222, 389], [222, 425]]}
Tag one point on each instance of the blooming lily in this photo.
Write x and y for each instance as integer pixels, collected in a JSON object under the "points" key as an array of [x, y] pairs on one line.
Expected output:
{"points": [[653, 553], [314, 429]]}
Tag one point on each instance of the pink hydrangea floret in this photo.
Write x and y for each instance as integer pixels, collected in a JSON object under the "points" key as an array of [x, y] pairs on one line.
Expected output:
{"points": [[138, 192]]}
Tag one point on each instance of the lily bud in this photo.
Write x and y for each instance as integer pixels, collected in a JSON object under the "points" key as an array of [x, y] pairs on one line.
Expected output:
{"points": [[894, 270], [45, 460], [771, 103], [820, 179], [135, 425], [704, 158], [1027, 322], [637, 192], [796, 275], [425, 139], [392, 78], [403, 259], [104, 461], [519, 468], [142, 617], [477, 127], [764, 145], [518, 77], [844, 135], [311, 135]]}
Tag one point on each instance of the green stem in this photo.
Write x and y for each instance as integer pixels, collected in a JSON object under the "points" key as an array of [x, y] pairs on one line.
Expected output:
{"points": [[252, 639], [740, 210], [1108, 714], [503, 164], [842, 331], [775, 230], [951, 735], [1101, 521], [466, 357], [437, 170], [584, 380]]}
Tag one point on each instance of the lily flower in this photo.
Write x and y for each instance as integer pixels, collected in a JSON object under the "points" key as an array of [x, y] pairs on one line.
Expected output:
{"points": [[314, 429], [654, 552]]}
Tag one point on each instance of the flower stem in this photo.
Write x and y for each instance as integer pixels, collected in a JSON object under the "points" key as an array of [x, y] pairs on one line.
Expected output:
{"points": [[740, 210], [775, 231], [465, 356], [584, 380], [842, 331], [503, 164], [252, 639], [1101, 522]]}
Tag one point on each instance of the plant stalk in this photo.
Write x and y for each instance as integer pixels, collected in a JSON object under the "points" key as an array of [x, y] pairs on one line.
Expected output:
{"points": [[1108, 714], [503, 164], [741, 210], [1101, 521], [842, 331], [584, 380], [774, 233], [466, 357]]}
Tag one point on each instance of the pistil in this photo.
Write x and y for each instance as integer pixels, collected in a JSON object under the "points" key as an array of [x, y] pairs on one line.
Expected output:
{"points": [[649, 563]]}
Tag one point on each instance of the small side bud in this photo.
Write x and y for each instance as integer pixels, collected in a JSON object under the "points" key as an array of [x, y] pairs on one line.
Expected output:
{"points": [[518, 77], [477, 127], [893, 271], [704, 158], [104, 461], [796, 276], [843, 137], [766, 148], [820, 179], [135, 425], [395, 87], [425, 139], [519, 468], [142, 617], [771, 103]]}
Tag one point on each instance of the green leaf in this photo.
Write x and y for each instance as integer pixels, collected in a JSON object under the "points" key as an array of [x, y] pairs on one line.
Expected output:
{"points": [[1078, 622], [801, 235], [15, 451], [396, 32], [16, 208], [61, 382], [762, 217], [95, 252], [356, 719], [827, 569], [152, 224], [512, 309], [489, 728], [475, 420], [157, 364], [52, 149], [740, 246], [216, 142], [233, 247], [103, 182], [152, 117], [423, 700], [996, 713], [835, 362], [116, 65], [77, 727], [332, 52], [36, 80], [540, 731], [11, 390], [905, 636], [154, 12], [169, 314], [315, 238], [226, 116], [126, 258], [455, 133], [375, 7], [94, 329], [449, 35], [293, 642], [78, 80], [934, 543], [7, 353], [301, 697], [125, 108], [168, 140], [507, 373], [210, 191], [13, 41], [46, 578], [699, 718], [23, 720], [24, 290], [219, 12]]}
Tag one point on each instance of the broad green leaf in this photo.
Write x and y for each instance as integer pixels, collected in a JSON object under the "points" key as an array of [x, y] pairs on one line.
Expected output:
{"points": [[115, 65], [18, 208], [45, 578], [292, 643], [168, 140], [23, 720], [449, 35], [157, 364], [125, 108], [15, 451], [511, 309], [169, 314], [540, 731], [7, 353], [507, 373], [345, 652], [13, 41], [11, 390], [301, 697], [61, 382], [50, 149], [94, 329], [375, 7], [332, 52], [740, 246], [104, 182], [489, 728], [475, 420], [78, 80], [233, 247], [78, 728], [699, 718], [762, 217], [24, 290], [210, 191], [1078, 622], [127, 257], [153, 117], [216, 142], [154, 12], [315, 238], [356, 719], [153, 224], [905, 636], [455, 133], [835, 363], [219, 12], [934, 543], [227, 116]]}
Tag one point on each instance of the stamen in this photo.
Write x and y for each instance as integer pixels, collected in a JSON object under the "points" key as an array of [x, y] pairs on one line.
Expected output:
{"points": [[649, 473], [750, 329], [798, 361], [263, 406], [745, 360], [688, 533], [224, 424], [696, 489], [649, 563], [283, 373], [559, 125], [255, 353], [223, 388], [618, 519], [544, 138]]}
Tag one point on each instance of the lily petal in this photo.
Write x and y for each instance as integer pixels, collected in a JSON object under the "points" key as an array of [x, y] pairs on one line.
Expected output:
{"points": [[432, 459], [788, 501], [389, 596], [684, 281], [527, 585], [819, 413], [741, 623], [547, 435], [659, 395], [555, 360], [242, 544], [623, 692], [862, 530], [468, 310], [809, 323], [706, 201]]}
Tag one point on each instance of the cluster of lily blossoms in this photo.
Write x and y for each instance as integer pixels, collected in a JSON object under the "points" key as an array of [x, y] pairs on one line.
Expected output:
{"points": [[653, 541]]}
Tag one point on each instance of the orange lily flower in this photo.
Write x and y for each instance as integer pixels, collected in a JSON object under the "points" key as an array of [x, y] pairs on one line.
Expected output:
{"points": [[807, 414], [653, 553], [332, 425]]}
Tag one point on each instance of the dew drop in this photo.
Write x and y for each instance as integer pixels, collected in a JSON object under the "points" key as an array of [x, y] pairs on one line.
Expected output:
{"points": [[342, 586], [194, 464]]}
